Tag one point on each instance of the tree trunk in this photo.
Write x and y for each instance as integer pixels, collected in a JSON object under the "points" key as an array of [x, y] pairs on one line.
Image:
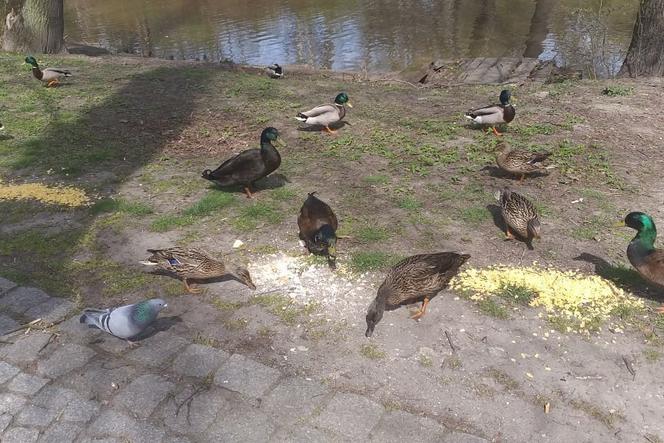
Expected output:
{"points": [[35, 26], [644, 56], [539, 28]]}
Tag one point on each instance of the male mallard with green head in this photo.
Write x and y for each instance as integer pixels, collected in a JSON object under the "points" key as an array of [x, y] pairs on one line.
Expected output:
{"points": [[250, 165], [519, 162], [194, 264], [416, 279], [326, 115], [318, 225], [494, 114], [49, 76], [641, 252], [274, 71], [519, 215]]}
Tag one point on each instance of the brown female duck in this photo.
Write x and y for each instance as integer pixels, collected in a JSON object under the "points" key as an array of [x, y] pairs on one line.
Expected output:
{"points": [[519, 215], [318, 225], [194, 264], [519, 162], [416, 279]]}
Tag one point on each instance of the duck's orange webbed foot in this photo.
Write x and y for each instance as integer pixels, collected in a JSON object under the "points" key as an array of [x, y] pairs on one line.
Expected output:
{"points": [[420, 312], [660, 310], [330, 131], [191, 289], [247, 191]]}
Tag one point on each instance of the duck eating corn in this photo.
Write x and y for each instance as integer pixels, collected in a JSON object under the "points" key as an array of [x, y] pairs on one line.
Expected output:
{"points": [[318, 225]]}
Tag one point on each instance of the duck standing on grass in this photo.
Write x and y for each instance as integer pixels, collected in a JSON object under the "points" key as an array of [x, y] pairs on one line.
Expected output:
{"points": [[49, 76], [326, 115], [194, 264], [416, 279], [250, 165], [318, 225], [641, 252], [494, 114], [275, 71], [519, 215], [519, 162]]}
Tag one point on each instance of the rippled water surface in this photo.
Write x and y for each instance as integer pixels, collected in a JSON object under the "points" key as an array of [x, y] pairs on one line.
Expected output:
{"points": [[377, 35]]}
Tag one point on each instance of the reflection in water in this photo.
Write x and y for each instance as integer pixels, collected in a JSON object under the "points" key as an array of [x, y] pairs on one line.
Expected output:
{"points": [[378, 35]]}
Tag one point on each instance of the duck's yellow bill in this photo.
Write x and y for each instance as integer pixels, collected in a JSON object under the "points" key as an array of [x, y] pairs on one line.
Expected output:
{"points": [[280, 142], [620, 224], [349, 105]]}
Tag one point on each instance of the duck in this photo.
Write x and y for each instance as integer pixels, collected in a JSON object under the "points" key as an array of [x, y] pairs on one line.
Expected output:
{"points": [[641, 252], [250, 165], [519, 162], [318, 225], [49, 76], [520, 216], [326, 115], [418, 278], [194, 264], [275, 71], [493, 115]]}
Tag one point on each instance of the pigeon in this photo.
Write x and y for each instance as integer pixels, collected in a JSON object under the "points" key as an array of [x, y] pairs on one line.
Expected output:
{"points": [[126, 321]]}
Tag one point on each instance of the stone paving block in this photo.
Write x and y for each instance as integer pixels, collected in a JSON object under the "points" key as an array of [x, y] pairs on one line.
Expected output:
{"points": [[113, 345], [77, 331], [54, 397], [198, 415], [241, 423], [399, 426], [26, 348], [293, 399], [80, 410], [20, 435], [350, 415], [461, 437], [7, 371], [52, 310], [198, 360], [104, 440], [114, 424], [11, 403], [7, 324], [61, 432], [143, 395], [304, 434], [32, 415], [98, 381], [155, 350], [246, 376], [27, 384], [5, 419], [6, 285], [21, 299], [66, 358]]}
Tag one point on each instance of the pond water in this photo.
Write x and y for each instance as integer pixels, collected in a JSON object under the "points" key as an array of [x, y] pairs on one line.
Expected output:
{"points": [[373, 35]]}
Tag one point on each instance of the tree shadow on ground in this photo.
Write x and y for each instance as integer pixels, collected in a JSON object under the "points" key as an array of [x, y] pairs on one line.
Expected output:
{"points": [[623, 277], [96, 151]]}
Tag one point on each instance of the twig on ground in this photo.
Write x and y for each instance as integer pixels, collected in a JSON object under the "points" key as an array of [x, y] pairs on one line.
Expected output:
{"points": [[630, 368], [449, 339]]}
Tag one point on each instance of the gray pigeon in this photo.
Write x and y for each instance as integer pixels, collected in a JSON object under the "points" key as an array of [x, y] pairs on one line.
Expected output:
{"points": [[126, 321]]}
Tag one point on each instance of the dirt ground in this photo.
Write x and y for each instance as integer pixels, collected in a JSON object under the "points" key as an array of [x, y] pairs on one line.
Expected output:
{"points": [[405, 175]]}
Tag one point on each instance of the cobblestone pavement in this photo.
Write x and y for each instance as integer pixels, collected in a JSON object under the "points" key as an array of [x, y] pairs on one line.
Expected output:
{"points": [[67, 383]]}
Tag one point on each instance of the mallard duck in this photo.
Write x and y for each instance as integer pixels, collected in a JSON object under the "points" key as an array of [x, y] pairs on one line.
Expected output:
{"points": [[493, 115], [519, 215], [318, 226], [519, 162], [194, 264], [417, 278], [641, 252], [275, 71], [49, 76], [250, 165], [326, 115]]}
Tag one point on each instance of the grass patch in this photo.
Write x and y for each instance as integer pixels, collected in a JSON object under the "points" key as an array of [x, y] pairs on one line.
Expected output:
{"points": [[409, 203], [491, 308], [377, 179], [503, 379], [606, 417], [617, 91], [368, 234], [236, 324], [652, 355], [226, 306], [259, 213], [106, 205], [425, 361], [452, 362], [474, 215], [212, 201], [520, 295], [534, 129], [284, 307], [283, 194], [365, 261], [372, 351], [168, 222]]}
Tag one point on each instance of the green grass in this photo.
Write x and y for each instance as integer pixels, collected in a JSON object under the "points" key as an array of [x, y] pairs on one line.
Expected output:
{"points": [[106, 205], [517, 294], [475, 215], [652, 355], [425, 361], [284, 307], [617, 91], [284, 194], [409, 203], [534, 129], [370, 234], [372, 351], [491, 308], [377, 179], [365, 261], [211, 202], [252, 216]]}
